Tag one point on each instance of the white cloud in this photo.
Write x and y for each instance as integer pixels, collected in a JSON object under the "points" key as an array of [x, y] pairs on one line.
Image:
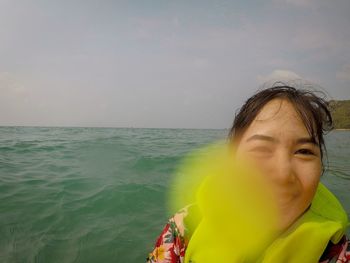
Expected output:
{"points": [[344, 73], [279, 75]]}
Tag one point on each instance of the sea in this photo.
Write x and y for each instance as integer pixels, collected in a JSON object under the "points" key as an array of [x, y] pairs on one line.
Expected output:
{"points": [[99, 194]]}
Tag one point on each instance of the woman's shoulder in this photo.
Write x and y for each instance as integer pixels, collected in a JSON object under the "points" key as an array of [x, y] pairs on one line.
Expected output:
{"points": [[339, 252]]}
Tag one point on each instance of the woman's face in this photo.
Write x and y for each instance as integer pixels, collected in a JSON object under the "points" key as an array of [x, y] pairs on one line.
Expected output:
{"points": [[279, 144]]}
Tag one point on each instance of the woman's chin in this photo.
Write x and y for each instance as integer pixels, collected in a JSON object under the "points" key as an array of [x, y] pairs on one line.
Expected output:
{"points": [[288, 217]]}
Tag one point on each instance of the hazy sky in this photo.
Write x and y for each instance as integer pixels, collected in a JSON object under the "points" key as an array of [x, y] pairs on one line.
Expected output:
{"points": [[186, 64]]}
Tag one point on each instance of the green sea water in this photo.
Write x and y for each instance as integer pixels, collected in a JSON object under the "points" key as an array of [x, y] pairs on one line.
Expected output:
{"points": [[98, 194]]}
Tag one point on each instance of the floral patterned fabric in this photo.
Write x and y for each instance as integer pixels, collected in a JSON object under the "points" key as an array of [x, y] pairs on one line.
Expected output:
{"points": [[172, 242]]}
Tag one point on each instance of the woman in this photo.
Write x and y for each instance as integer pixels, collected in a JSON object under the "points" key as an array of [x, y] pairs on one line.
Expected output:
{"points": [[281, 130]]}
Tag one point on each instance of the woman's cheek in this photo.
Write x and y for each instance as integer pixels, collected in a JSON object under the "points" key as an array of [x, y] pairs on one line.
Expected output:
{"points": [[309, 171], [309, 175]]}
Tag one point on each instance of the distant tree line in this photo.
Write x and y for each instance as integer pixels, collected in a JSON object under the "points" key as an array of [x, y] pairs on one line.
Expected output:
{"points": [[341, 113]]}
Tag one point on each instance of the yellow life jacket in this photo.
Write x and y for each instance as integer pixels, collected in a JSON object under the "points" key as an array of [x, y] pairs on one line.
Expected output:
{"points": [[305, 241]]}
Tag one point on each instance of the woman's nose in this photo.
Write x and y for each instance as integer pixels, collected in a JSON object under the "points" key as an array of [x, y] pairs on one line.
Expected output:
{"points": [[282, 169]]}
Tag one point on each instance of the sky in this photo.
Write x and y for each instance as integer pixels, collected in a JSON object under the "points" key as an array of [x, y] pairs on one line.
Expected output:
{"points": [[163, 64]]}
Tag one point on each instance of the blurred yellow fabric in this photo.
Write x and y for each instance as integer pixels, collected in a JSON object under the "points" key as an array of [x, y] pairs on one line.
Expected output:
{"points": [[237, 219]]}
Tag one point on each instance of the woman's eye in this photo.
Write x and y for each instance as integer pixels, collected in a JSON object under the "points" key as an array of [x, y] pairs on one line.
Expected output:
{"points": [[264, 150], [305, 152]]}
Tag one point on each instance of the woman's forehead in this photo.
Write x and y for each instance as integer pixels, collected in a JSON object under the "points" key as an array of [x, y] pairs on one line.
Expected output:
{"points": [[278, 117], [278, 109]]}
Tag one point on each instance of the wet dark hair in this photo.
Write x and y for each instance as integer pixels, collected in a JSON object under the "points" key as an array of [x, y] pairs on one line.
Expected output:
{"points": [[313, 110]]}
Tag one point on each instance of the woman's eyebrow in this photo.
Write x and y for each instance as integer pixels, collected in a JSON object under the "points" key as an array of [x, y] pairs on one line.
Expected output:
{"points": [[263, 138], [302, 140], [307, 140]]}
